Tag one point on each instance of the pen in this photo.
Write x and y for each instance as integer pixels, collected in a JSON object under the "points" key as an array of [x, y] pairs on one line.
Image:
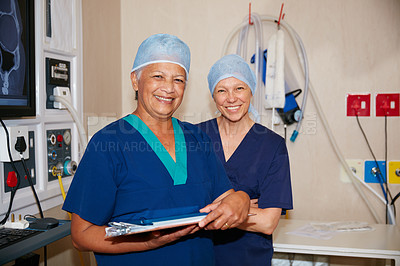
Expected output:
{"points": [[251, 214]]}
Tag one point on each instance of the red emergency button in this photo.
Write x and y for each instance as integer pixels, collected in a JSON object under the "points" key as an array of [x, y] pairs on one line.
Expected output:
{"points": [[12, 180], [59, 138]]}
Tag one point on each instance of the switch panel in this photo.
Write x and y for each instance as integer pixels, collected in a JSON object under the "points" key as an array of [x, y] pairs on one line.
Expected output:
{"points": [[359, 104], [58, 153], [57, 74], [387, 104], [394, 172], [371, 171], [9, 173]]}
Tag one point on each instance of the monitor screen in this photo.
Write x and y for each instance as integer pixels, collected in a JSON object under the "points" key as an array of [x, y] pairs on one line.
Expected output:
{"points": [[17, 58]]}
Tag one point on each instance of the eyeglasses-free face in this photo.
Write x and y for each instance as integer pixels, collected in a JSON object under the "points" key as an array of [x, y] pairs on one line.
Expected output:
{"points": [[232, 97], [160, 89]]}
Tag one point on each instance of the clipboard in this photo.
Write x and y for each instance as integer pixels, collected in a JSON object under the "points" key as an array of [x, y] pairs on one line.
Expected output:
{"points": [[148, 225]]}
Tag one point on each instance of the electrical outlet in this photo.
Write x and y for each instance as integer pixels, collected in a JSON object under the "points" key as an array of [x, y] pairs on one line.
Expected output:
{"points": [[394, 172], [9, 174], [370, 171], [359, 104], [13, 132], [356, 165], [62, 92], [387, 104]]}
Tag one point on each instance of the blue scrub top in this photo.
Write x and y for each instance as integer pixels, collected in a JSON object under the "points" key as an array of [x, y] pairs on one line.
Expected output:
{"points": [[260, 167], [122, 178]]}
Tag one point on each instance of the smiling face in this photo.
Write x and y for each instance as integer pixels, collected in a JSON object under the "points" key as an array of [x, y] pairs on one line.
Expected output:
{"points": [[232, 97], [160, 90]]}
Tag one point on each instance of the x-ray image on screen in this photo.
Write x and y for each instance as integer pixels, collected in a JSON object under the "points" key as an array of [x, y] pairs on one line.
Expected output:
{"points": [[12, 52]]}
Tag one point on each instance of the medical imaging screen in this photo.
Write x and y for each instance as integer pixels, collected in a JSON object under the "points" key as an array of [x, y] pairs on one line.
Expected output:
{"points": [[13, 53]]}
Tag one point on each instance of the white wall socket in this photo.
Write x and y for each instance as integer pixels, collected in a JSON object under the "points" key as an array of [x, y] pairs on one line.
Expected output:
{"points": [[62, 92], [356, 165], [13, 132]]}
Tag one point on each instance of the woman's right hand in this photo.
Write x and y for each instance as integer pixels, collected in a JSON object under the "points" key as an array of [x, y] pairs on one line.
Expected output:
{"points": [[229, 210], [87, 236]]}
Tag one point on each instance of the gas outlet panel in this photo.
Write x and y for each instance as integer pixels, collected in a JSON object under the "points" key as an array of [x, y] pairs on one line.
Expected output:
{"points": [[356, 165], [10, 177], [394, 172], [371, 172], [59, 154]]}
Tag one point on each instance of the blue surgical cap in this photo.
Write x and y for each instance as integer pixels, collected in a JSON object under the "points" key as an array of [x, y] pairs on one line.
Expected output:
{"points": [[163, 48], [231, 66]]}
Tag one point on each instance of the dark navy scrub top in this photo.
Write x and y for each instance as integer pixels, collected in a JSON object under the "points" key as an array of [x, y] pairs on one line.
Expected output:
{"points": [[260, 167], [123, 177]]}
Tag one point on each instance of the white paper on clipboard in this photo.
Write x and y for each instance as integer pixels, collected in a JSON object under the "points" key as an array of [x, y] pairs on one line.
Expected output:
{"points": [[121, 228]]}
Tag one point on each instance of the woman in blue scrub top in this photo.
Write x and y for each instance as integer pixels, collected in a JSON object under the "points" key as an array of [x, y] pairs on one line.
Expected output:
{"points": [[255, 159], [151, 165]]}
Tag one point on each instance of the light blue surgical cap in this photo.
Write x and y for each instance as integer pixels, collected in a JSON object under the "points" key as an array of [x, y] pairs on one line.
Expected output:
{"points": [[233, 66], [163, 48]]}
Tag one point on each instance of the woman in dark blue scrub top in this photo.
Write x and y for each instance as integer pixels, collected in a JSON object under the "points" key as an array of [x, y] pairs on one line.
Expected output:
{"points": [[255, 159], [150, 165]]}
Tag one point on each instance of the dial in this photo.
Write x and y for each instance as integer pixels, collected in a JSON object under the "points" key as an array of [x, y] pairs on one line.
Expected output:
{"points": [[297, 115], [67, 137]]}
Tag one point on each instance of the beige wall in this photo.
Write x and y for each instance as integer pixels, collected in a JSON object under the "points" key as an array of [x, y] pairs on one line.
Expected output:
{"points": [[101, 58]]}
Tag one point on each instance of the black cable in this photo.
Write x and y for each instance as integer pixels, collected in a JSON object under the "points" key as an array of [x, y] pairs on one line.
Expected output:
{"points": [[386, 163], [373, 155], [29, 177], [285, 130], [14, 189], [395, 198], [13, 192], [387, 190], [384, 181]]}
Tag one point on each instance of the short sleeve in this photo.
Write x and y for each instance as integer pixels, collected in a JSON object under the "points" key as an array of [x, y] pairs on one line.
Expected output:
{"points": [[276, 189], [93, 190]]}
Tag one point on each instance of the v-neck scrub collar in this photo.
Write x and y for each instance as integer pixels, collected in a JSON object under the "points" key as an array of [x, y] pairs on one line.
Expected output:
{"points": [[178, 169]]}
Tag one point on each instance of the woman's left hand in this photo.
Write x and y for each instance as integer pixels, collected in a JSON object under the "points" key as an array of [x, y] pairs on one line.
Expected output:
{"points": [[227, 211]]}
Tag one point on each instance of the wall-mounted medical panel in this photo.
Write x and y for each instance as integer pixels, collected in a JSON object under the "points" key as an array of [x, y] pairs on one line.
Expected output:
{"points": [[57, 36], [57, 75], [59, 156]]}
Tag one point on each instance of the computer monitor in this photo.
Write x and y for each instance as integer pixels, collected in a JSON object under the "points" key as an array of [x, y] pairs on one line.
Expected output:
{"points": [[17, 58]]}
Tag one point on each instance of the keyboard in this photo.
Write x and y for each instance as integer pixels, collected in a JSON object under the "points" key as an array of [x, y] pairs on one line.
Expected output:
{"points": [[9, 236]]}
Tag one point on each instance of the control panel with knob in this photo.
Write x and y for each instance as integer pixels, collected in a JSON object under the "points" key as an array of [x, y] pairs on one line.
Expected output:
{"points": [[59, 154]]}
